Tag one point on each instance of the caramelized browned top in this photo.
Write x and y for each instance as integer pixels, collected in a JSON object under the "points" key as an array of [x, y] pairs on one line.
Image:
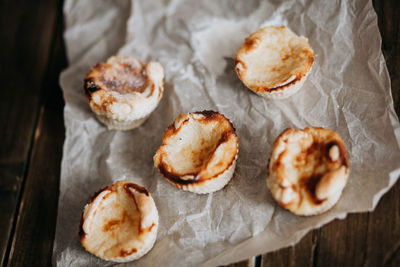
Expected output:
{"points": [[119, 222], [111, 224], [122, 77], [318, 154]]}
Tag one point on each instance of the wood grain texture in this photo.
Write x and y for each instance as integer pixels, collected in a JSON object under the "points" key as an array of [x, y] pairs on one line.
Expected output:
{"points": [[389, 26], [366, 239], [242, 264], [35, 228], [26, 31], [383, 234], [303, 254], [342, 242]]}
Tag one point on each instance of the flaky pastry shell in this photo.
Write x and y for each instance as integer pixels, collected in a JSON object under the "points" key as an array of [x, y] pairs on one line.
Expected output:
{"points": [[199, 152], [308, 170], [274, 62], [123, 91], [119, 223]]}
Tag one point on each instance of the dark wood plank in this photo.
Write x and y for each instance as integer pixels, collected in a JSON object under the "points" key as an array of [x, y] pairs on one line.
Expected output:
{"points": [[343, 242], [383, 243], [26, 29], [389, 21], [247, 263], [302, 254], [32, 243]]}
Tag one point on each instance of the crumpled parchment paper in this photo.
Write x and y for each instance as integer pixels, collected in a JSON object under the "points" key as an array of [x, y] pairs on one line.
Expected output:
{"points": [[348, 91]]}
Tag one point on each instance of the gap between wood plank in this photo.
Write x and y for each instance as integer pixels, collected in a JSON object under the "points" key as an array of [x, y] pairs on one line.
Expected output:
{"points": [[34, 137], [21, 189], [315, 247], [391, 253], [258, 261]]}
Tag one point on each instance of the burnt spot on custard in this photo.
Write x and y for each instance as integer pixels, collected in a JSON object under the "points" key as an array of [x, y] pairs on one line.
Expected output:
{"points": [[176, 178], [209, 114], [342, 152], [282, 87], [127, 252], [137, 188], [310, 184], [129, 192], [109, 188], [90, 87], [214, 115]]}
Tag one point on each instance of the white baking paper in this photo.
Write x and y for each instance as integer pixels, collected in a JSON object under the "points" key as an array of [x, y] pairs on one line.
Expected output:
{"points": [[348, 91]]}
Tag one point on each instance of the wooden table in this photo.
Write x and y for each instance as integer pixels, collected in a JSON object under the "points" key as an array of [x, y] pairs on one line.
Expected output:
{"points": [[31, 118]]}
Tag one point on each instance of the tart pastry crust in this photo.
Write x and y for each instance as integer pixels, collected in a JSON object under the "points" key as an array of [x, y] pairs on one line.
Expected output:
{"points": [[119, 223], [308, 170], [123, 91], [274, 62], [199, 152]]}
